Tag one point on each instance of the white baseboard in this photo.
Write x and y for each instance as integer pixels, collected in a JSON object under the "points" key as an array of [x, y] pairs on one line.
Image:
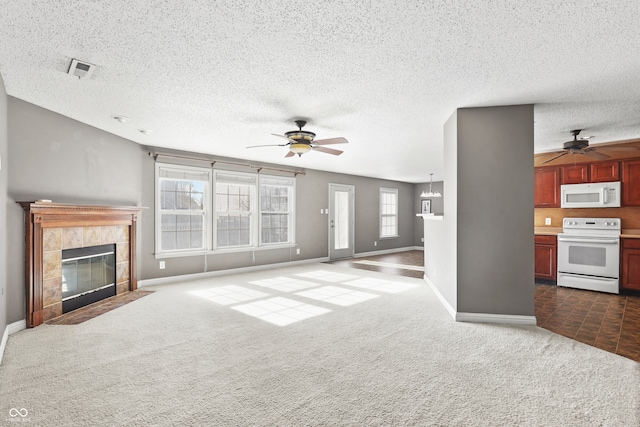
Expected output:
{"points": [[509, 319], [3, 343], [388, 251], [443, 301], [173, 279], [10, 329]]}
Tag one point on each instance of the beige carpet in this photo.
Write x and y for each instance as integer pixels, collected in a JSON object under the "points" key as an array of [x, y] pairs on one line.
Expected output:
{"points": [[303, 346]]}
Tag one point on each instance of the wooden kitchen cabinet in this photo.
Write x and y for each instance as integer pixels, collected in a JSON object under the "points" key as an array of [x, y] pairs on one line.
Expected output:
{"points": [[575, 174], [631, 183], [547, 187], [630, 265], [546, 257], [605, 172]]}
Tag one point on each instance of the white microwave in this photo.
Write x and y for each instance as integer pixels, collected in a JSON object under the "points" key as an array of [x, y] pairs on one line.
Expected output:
{"points": [[593, 195]]}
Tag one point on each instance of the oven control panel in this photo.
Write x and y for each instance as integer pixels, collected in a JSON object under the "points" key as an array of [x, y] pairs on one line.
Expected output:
{"points": [[592, 223]]}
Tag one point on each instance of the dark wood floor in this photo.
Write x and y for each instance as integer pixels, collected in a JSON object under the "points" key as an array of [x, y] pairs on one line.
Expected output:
{"points": [[606, 321], [390, 263]]}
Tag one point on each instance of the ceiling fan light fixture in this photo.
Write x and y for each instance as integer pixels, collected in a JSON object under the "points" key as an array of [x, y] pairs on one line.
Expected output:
{"points": [[300, 148]]}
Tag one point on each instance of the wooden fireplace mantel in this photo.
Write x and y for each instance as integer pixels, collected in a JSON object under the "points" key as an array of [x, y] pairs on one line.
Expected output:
{"points": [[40, 216]]}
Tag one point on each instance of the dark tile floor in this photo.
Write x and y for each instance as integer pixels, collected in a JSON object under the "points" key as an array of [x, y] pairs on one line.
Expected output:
{"points": [[90, 311], [606, 321]]}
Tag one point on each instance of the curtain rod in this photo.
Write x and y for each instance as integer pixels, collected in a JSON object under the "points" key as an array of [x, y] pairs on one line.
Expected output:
{"points": [[213, 162]]}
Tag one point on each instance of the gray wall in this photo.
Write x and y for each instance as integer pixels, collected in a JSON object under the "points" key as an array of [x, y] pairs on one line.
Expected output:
{"points": [[488, 165], [4, 167], [54, 157], [495, 210], [312, 194]]}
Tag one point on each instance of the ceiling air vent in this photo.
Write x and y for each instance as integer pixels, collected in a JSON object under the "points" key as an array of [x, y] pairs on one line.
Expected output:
{"points": [[81, 69]]}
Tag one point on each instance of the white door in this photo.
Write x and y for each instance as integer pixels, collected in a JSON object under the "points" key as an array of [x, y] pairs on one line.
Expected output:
{"points": [[341, 221]]}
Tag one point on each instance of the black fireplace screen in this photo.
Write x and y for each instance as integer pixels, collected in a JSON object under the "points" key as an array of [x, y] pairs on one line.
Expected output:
{"points": [[88, 275]]}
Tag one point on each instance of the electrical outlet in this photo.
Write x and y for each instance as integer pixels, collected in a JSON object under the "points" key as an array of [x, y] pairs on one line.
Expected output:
{"points": [[375, 243], [422, 239], [547, 221], [162, 265], [297, 251]]}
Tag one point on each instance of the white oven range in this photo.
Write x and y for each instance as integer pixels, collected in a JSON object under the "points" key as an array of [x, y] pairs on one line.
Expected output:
{"points": [[589, 254]]}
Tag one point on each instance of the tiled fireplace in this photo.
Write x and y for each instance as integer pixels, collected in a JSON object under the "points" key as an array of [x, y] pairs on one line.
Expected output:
{"points": [[54, 228]]}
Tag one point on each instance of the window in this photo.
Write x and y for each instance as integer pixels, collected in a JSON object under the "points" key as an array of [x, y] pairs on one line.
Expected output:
{"points": [[234, 203], [388, 212], [276, 210], [202, 210], [182, 208]]}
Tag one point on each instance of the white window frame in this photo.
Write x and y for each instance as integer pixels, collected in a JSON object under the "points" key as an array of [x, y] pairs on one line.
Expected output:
{"points": [[218, 178], [210, 214], [383, 214], [176, 171], [281, 181]]}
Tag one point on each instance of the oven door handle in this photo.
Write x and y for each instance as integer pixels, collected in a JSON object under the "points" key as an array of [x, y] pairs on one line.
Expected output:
{"points": [[596, 241]]}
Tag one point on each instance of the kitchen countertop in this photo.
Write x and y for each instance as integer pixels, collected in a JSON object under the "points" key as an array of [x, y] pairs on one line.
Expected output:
{"points": [[547, 231], [625, 233], [628, 233]]}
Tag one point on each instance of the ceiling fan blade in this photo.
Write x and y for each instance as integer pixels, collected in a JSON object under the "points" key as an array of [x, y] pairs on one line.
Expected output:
{"points": [[281, 136], [555, 157], [268, 145], [329, 141], [591, 152], [629, 148], [328, 150], [290, 154]]}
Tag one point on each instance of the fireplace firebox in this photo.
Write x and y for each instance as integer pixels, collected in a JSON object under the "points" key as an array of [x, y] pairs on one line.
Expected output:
{"points": [[88, 275]]}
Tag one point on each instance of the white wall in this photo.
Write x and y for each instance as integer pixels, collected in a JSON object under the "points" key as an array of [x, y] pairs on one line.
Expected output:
{"points": [[4, 167], [440, 237]]}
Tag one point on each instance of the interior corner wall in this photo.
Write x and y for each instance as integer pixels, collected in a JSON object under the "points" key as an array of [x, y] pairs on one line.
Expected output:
{"points": [[54, 157], [440, 237], [4, 165], [495, 248]]}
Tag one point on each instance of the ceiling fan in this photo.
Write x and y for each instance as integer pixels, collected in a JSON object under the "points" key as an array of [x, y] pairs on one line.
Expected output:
{"points": [[581, 146], [302, 141]]}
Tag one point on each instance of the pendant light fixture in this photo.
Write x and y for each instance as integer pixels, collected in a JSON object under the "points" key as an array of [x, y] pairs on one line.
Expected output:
{"points": [[431, 193]]}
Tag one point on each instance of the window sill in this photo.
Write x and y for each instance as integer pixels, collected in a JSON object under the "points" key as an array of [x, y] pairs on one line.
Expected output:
{"points": [[222, 251], [389, 237]]}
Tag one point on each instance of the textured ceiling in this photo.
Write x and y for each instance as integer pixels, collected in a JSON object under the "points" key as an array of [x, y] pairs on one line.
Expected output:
{"points": [[216, 76]]}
